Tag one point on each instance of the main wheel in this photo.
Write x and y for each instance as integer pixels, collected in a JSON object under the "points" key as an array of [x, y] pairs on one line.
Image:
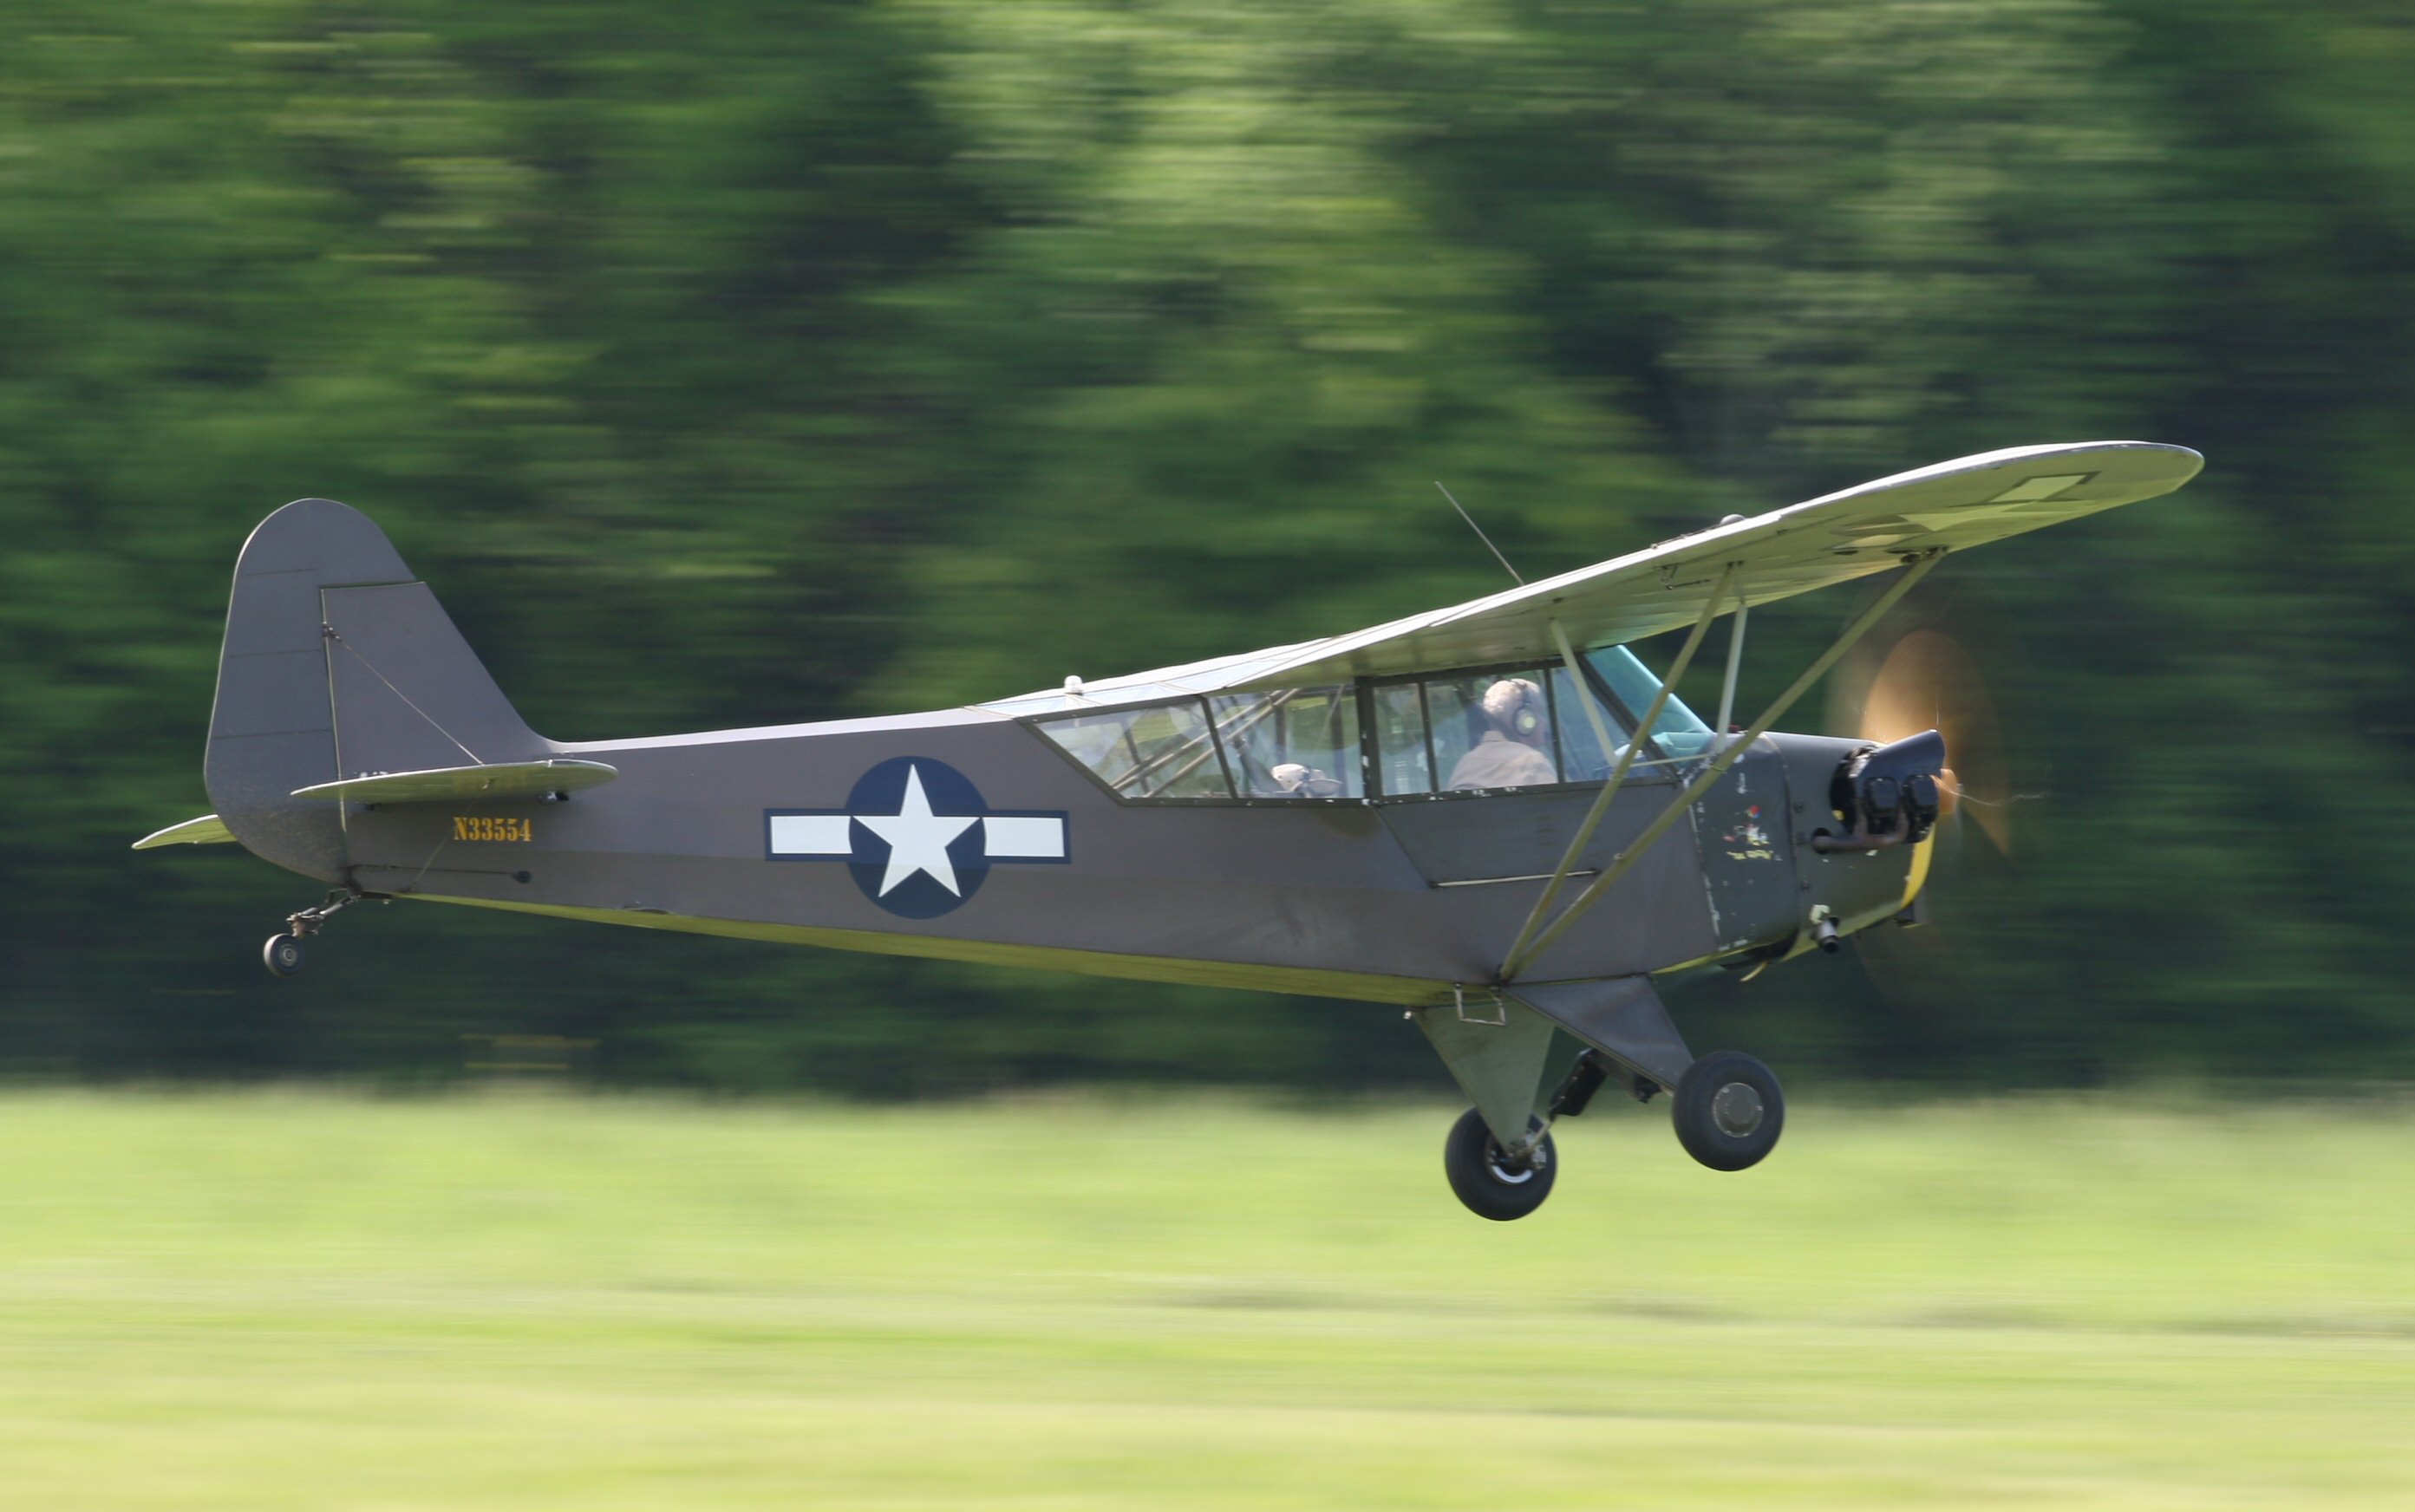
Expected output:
{"points": [[282, 955], [1488, 1181], [1728, 1111]]}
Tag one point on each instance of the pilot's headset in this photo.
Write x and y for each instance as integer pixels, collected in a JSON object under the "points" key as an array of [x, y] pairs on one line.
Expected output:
{"points": [[1515, 705]]}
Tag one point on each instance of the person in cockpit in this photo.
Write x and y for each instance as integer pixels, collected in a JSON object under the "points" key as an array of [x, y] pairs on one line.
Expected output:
{"points": [[1298, 781], [1514, 750]]}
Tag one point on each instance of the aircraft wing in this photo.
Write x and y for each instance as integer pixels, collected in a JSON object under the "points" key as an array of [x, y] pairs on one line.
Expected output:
{"points": [[1846, 535]]}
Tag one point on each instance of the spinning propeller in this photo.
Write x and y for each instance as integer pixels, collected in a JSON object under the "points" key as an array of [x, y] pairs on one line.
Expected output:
{"points": [[1917, 672]]}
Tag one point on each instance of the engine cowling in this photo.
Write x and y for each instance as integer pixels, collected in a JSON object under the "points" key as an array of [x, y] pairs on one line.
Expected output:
{"points": [[1884, 794]]}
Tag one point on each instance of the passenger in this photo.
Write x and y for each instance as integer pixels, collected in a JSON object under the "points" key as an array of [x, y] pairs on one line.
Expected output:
{"points": [[1512, 752], [1298, 781]]}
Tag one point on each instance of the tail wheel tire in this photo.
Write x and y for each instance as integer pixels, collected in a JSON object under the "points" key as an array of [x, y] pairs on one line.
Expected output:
{"points": [[1488, 1181], [1728, 1110], [282, 955]]}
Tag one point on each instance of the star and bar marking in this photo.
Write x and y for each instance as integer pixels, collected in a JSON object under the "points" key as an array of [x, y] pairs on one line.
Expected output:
{"points": [[917, 835]]}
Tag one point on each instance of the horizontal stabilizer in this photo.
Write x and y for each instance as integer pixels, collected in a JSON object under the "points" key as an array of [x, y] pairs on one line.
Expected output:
{"points": [[205, 830], [497, 779]]}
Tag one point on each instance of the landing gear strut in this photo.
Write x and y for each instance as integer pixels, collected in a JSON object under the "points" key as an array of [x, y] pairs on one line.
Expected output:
{"points": [[283, 954]]}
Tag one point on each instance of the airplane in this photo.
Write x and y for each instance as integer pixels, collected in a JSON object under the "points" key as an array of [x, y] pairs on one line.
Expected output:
{"points": [[1492, 816]]}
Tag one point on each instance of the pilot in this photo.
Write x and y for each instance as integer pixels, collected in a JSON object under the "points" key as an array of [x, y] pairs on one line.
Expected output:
{"points": [[1511, 755]]}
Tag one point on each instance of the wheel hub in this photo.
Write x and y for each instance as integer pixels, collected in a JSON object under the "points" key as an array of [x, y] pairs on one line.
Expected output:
{"points": [[1736, 1109], [1504, 1171]]}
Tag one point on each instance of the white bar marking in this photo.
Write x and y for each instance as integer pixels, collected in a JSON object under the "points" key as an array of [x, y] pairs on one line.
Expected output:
{"points": [[1023, 839], [811, 834]]}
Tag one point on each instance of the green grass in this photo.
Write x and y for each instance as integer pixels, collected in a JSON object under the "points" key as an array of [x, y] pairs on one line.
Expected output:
{"points": [[270, 1301]]}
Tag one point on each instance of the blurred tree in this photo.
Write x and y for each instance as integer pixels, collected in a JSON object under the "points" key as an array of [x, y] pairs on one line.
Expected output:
{"points": [[747, 363]]}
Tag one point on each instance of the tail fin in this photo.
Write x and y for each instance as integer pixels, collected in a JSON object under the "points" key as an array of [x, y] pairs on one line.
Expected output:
{"points": [[337, 662]]}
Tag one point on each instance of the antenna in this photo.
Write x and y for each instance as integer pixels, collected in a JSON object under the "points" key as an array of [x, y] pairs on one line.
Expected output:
{"points": [[1481, 536]]}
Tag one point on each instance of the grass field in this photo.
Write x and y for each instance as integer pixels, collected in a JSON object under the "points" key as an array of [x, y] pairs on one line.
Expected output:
{"points": [[268, 1301]]}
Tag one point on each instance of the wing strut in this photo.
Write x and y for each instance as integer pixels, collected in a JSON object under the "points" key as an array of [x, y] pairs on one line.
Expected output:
{"points": [[1735, 665], [1523, 953], [1626, 759]]}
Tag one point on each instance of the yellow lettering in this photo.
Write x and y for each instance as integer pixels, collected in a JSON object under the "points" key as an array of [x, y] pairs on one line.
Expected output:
{"points": [[494, 827]]}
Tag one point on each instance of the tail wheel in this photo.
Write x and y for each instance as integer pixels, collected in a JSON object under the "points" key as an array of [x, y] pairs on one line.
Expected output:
{"points": [[1487, 1180], [282, 955], [1728, 1110]]}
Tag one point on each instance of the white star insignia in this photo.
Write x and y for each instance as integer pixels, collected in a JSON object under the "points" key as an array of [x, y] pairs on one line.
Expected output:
{"points": [[918, 838]]}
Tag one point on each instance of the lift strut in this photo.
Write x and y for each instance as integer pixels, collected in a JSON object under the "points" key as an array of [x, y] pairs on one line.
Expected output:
{"points": [[1531, 943]]}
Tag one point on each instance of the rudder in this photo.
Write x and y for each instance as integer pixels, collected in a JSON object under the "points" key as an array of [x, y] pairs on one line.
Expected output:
{"points": [[337, 662]]}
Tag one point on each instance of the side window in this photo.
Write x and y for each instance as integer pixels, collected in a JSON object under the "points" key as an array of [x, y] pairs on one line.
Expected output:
{"points": [[1300, 742], [1162, 751], [1493, 730], [1405, 764], [1524, 728]]}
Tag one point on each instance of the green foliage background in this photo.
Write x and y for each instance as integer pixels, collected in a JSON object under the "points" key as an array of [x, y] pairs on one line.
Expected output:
{"points": [[737, 362]]}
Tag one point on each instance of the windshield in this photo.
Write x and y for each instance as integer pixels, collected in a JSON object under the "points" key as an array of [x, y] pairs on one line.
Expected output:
{"points": [[1678, 731]]}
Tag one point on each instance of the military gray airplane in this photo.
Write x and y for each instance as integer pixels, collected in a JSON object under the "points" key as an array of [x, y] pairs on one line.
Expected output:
{"points": [[1466, 813]]}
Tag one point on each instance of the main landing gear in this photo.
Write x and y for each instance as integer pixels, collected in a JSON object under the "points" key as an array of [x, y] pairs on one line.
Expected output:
{"points": [[1728, 1111], [1491, 1181], [1726, 1107], [283, 953]]}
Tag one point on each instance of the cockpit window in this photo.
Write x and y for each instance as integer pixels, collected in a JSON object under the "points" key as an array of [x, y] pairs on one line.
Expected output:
{"points": [[1161, 751], [1493, 730], [1478, 731], [1679, 732], [1297, 742], [1465, 732], [1582, 756], [1403, 761]]}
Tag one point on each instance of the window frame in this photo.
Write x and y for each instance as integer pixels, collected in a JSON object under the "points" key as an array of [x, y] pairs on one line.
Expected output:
{"points": [[1348, 695], [1652, 769], [1657, 767], [1233, 798]]}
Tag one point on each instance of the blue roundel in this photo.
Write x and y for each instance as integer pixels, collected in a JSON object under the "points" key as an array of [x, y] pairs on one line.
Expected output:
{"points": [[944, 831], [916, 835]]}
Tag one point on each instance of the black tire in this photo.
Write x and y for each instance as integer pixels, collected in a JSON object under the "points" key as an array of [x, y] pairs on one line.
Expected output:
{"points": [[282, 955], [1489, 1184], [1728, 1110]]}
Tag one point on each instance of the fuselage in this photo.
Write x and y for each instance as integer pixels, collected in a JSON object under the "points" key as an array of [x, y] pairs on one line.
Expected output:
{"points": [[1392, 899]]}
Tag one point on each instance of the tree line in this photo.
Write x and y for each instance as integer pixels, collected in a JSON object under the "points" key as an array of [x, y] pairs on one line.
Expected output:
{"points": [[739, 363]]}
